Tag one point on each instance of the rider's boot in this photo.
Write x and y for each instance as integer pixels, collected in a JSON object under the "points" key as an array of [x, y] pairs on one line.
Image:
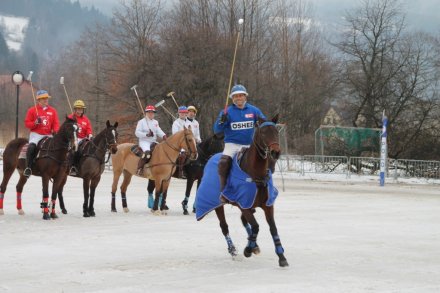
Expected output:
{"points": [[144, 160], [30, 154]]}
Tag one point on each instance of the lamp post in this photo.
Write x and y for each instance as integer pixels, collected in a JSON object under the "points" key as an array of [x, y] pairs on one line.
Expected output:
{"points": [[17, 79]]}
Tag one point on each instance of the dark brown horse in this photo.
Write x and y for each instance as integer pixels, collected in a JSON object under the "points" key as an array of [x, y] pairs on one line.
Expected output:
{"points": [[91, 165], [194, 169], [256, 163], [50, 164]]}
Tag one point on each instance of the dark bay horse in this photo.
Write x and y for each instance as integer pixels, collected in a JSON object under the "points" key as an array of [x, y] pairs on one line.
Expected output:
{"points": [[194, 169], [160, 168], [91, 165], [256, 163], [50, 164]]}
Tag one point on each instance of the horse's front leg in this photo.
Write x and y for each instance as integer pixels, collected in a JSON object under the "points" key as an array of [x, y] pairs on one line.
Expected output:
{"points": [[189, 184], [150, 190], [45, 201], [279, 250], [163, 203], [252, 246], [56, 186], [86, 187], [220, 212], [93, 185]]}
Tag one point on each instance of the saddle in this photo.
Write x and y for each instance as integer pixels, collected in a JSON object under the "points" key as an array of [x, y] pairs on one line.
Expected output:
{"points": [[23, 151], [137, 151]]}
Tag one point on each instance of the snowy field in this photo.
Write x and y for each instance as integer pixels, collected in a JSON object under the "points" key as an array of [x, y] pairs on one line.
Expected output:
{"points": [[341, 236]]}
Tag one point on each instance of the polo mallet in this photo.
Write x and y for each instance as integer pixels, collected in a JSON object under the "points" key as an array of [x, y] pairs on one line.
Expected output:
{"points": [[133, 88], [29, 77], [65, 91], [171, 94], [240, 22], [160, 104]]}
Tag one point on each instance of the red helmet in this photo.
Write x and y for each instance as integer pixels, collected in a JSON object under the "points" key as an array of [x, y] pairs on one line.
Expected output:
{"points": [[150, 108]]}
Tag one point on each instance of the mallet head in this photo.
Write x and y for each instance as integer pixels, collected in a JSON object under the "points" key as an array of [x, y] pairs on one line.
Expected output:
{"points": [[62, 80], [29, 77], [134, 87], [159, 104]]}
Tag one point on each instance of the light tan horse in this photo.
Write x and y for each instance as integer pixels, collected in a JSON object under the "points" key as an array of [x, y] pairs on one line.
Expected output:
{"points": [[160, 168]]}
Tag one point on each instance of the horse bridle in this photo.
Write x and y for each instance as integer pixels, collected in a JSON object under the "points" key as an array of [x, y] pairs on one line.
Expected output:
{"points": [[107, 146], [263, 150], [187, 145]]}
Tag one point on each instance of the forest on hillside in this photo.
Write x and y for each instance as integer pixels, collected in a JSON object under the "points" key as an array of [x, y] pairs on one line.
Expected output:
{"points": [[288, 64]]}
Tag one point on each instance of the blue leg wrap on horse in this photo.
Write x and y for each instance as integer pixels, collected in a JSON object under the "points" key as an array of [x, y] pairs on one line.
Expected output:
{"points": [[252, 241], [248, 229], [278, 248], [160, 199], [185, 202], [229, 240], [150, 200]]}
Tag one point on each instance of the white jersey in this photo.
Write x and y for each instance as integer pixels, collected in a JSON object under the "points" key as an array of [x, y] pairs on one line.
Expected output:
{"points": [[144, 126], [179, 123], [195, 129]]}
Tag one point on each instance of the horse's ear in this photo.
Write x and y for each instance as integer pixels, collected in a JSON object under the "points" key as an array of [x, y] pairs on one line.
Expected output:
{"points": [[116, 124], [275, 118], [259, 121], [108, 123]]}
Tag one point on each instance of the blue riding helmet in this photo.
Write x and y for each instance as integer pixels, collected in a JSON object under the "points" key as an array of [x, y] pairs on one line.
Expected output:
{"points": [[238, 89]]}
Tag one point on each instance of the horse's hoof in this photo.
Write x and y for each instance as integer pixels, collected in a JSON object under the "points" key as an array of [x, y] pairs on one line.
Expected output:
{"points": [[46, 216], [54, 216], [166, 207], [156, 212], [247, 252], [185, 212], [256, 250], [114, 211], [64, 211], [20, 212], [126, 210], [283, 263], [2, 212], [86, 215], [92, 213], [232, 251]]}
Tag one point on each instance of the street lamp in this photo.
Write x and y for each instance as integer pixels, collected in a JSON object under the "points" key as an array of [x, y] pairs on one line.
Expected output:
{"points": [[17, 79]]}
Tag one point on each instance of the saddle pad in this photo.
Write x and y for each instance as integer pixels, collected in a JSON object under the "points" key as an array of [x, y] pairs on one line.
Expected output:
{"points": [[239, 189], [23, 151], [136, 150]]}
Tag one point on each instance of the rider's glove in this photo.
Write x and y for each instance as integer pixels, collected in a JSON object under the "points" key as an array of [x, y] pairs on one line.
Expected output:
{"points": [[38, 121], [223, 118]]}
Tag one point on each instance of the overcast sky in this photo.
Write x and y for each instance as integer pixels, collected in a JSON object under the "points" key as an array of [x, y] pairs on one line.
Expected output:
{"points": [[422, 14]]}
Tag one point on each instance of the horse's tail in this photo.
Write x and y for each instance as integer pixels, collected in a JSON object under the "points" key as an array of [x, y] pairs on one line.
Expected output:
{"points": [[11, 153]]}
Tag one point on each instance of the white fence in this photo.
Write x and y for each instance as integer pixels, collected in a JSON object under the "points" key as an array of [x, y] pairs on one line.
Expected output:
{"points": [[359, 166]]}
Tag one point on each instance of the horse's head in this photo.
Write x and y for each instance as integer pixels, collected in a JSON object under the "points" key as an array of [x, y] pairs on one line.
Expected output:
{"points": [[111, 136], [266, 138], [68, 131], [189, 143]]}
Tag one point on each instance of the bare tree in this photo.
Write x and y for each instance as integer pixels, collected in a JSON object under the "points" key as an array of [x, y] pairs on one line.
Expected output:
{"points": [[386, 68]]}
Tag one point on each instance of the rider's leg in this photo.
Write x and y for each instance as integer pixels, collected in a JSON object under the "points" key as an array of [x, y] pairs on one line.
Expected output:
{"points": [[30, 154], [143, 160]]}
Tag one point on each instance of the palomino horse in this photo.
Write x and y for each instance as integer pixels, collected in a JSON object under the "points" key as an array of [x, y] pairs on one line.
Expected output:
{"points": [[91, 165], [50, 164], [194, 169], [160, 168], [244, 192]]}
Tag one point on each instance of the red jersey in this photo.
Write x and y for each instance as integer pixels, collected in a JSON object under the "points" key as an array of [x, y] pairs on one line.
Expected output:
{"points": [[84, 126], [49, 120]]}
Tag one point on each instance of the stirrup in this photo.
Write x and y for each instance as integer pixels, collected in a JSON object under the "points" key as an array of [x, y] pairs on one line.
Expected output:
{"points": [[27, 172]]}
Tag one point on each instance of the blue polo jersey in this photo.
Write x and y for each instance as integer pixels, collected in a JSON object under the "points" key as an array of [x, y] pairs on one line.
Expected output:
{"points": [[239, 128]]}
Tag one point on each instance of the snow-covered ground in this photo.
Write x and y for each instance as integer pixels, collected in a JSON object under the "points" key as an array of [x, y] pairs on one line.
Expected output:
{"points": [[346, 236]]}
